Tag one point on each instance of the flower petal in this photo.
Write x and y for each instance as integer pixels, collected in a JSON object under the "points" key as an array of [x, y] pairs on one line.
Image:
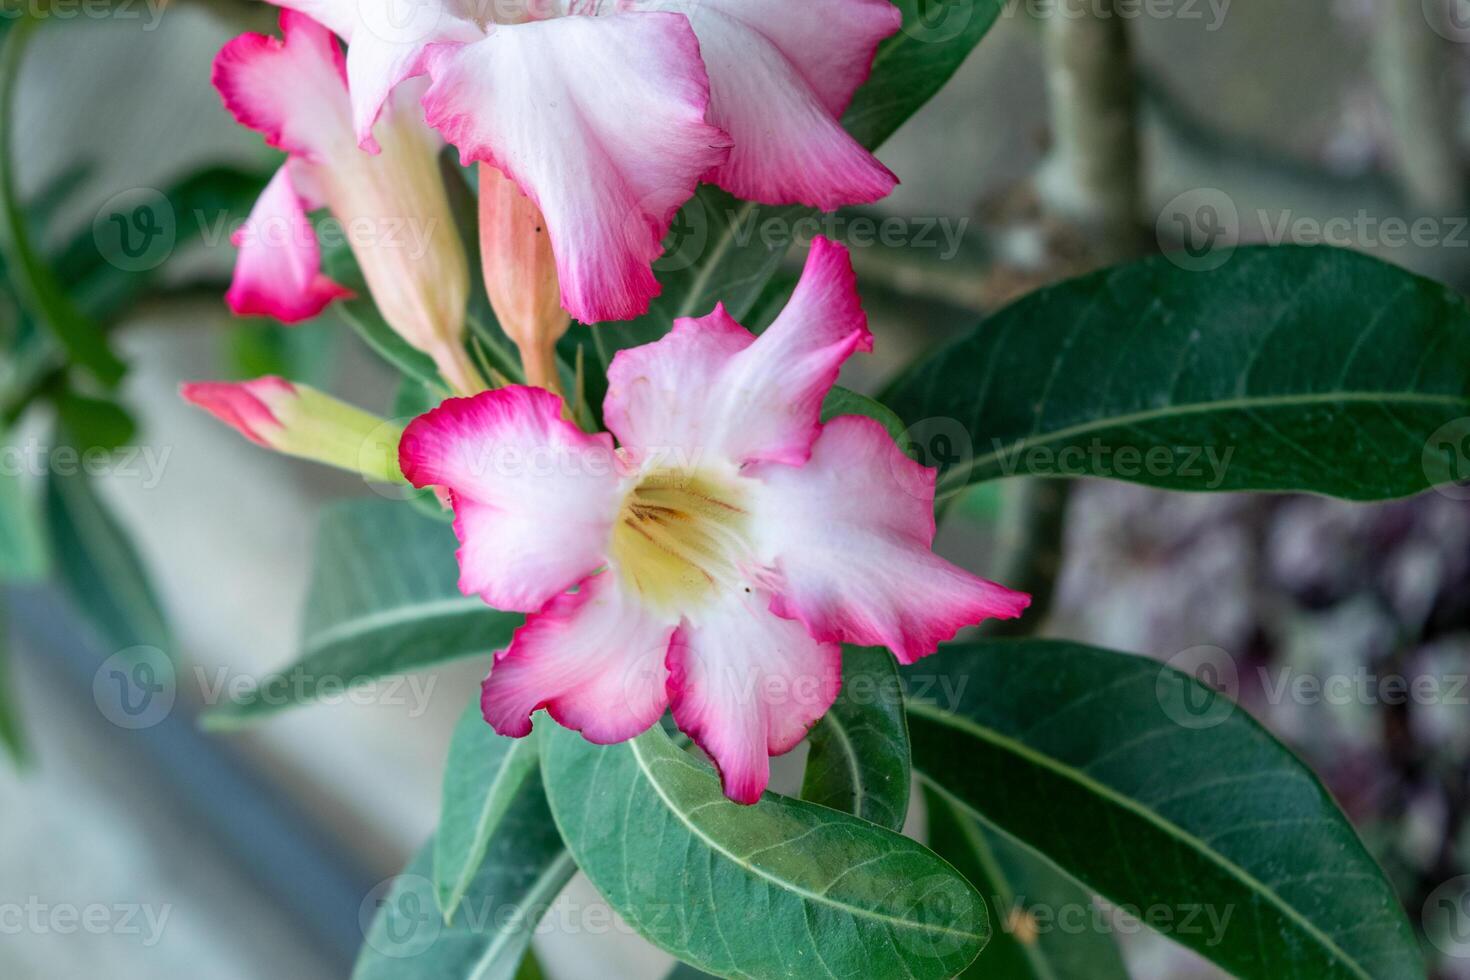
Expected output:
{"points": [[849, 535], [534, 497], [278, 271], [594, 659], [781, 75], [747, 685], [707, 390], [601, 122], [292, 89]]}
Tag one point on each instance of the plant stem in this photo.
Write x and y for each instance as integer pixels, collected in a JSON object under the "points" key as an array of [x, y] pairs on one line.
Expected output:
{"points": [[1033, 525], [1412, 65]]}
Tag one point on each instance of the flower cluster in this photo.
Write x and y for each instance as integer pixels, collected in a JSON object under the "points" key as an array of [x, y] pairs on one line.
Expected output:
{"points": [[707, 553]]}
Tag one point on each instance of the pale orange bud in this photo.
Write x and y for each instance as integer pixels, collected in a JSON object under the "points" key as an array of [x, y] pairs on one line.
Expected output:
{"points": [[520, 275]]}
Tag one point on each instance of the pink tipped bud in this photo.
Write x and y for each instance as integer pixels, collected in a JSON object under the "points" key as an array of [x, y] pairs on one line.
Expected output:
{"points": [[300, 421]]}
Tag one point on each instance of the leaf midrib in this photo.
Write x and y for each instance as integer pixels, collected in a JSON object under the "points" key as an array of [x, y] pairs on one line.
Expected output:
{"points": [[1025, 442], [1106, 792], [544, 883], [787, 886], [465, 876]]}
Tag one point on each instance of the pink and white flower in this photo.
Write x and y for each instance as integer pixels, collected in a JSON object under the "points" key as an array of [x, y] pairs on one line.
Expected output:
{"points": [[607, 113], [717, 557], [390, 202]]}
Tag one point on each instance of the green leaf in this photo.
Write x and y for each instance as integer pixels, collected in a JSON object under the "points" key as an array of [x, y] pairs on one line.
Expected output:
{"points": [[780, 889], [94, 423], [35, 283], [1159, 794], [482, 778], [1288, 369], [1042, 922], [23, 553], [859, 761], [913, 65], [384, 599], [98, 565], [525, 868], [12, 736]]}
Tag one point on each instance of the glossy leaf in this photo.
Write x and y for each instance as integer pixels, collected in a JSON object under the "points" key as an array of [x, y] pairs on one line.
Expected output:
{"points": [[384, 599], [99, 567], [1288, 369], [1043, 925], [483, 776], [1158, 793], [525, 868], [780, 889], [859, 759], [843, 401]]}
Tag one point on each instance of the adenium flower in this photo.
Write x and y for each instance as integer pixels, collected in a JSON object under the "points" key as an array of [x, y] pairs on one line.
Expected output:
{"points": [[388, 196], [719, 555], [608, 113], [298, 420]]}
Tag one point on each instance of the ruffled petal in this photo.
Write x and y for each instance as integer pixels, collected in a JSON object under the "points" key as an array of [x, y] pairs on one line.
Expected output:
{"points": [[291, 89], [278, 271], [594, 659], [601, 122], [746, 685], [710, 390], [781, 75], [849, 535], [534, 497]]}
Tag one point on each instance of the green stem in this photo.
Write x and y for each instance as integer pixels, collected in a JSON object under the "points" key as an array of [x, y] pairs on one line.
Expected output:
{"points": [[1033, 522]]}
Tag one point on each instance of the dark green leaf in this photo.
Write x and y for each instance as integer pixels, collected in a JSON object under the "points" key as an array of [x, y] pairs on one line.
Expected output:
{"points": [[1159, 794], [780, 889], [99, 566], [34, 281], [300, 353], [525, 868], [1043, 926], [94, 423], [842, 401], [859, 761], [384, 599], [484, 775], [1288, 369]]}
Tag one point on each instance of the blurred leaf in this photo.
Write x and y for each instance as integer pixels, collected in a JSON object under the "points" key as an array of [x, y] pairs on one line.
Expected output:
{"points": [[35, 283], [859, 760], [1157, 792], [384, 600], [759, 891], [12, 735], [525, 868], [301, 353], [843, 401], [483, 776], [98, 564], [94, 423], [23, 553], [1288, 369], [1031, 906], [530, 968]]}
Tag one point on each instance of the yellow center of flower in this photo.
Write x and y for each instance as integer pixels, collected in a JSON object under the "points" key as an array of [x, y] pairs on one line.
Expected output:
{"points": [[680, 537]]}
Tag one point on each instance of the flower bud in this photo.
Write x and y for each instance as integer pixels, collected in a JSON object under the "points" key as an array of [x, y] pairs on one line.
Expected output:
{"points": [[520, 275], [300, 421]]}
